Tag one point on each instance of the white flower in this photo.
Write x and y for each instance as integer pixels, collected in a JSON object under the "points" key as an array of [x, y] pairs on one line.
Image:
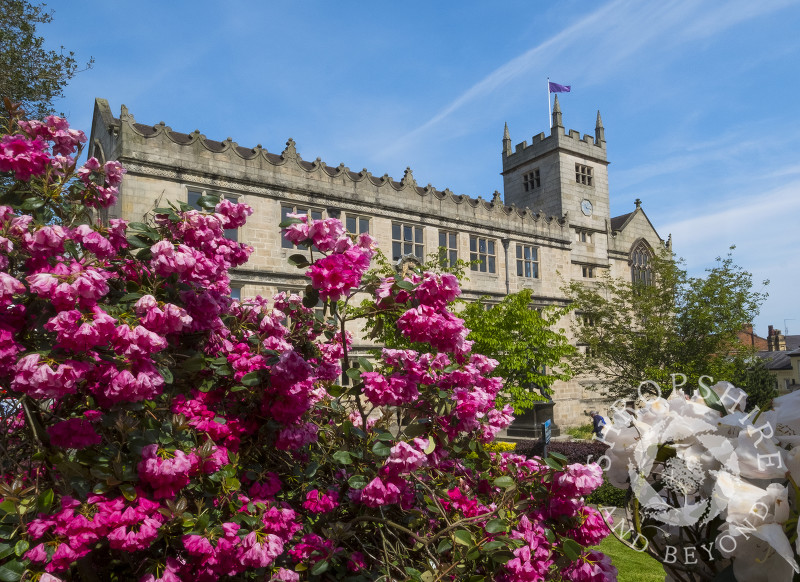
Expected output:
{"points": [[732, 398]]}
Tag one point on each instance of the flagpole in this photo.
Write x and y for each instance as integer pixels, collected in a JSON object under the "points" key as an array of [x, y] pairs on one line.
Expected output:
{"points": [[549, 118]]}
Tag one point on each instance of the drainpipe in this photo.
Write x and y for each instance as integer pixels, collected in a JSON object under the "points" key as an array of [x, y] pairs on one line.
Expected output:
{"points": [[506, 244]]}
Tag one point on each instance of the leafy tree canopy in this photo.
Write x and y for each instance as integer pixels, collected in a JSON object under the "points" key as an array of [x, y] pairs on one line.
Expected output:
{"points": [[32, 75], [678, 325], [522, 339]]}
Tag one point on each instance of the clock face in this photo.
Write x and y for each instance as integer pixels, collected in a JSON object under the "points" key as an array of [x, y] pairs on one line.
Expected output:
{"points": [[586, 207]]}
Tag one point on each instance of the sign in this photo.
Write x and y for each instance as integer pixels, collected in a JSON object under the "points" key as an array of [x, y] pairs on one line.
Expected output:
{"points": [[546, 431]]}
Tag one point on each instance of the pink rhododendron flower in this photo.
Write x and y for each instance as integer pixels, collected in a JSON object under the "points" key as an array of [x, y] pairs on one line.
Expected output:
{"points": [[166, 476], [284, 575], [23, 156], [9, 287], [297, 232], [319, 502], [592, 567], [405, 458], [40, 380], [325, 233], [73, 433], [296, 437]]}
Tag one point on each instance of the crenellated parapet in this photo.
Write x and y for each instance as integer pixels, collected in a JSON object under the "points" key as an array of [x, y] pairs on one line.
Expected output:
{"points": [[193, 158], [588, 146]]}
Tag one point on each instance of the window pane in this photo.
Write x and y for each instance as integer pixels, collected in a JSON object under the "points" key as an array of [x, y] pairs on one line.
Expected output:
{"points": [[442, 239], [316, 215], [193, 198], [491, 264], [473, 244], [519, 268], [407, 233], [491, 247], [453, 257], [519, 251], [482, 245], [363, 225], [396, 253], [418, 234], [418, 251], [236, 293], [395, 231], [351, 224], [483, 266]]}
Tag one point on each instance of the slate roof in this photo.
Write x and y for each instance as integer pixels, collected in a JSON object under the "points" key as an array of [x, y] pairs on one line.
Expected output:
{"points": [[778, 360], [618, 221]]}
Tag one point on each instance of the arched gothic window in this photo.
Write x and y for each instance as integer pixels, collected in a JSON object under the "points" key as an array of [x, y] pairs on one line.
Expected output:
{"points": [[641, 257]]}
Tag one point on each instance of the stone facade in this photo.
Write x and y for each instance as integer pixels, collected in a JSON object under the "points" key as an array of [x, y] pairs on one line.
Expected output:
{"points": [[554, 226]]}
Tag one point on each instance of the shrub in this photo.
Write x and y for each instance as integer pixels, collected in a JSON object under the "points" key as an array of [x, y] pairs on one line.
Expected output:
{"points": [[159, 430]]}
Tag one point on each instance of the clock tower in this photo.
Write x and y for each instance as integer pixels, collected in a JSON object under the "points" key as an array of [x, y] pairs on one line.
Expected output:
{"points": [[561, 173]]}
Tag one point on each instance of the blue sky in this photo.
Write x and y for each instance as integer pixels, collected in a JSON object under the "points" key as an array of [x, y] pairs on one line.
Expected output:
{"points": [[698, 98]]}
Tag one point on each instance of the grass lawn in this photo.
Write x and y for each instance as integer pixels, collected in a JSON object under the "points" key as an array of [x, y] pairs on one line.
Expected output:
{"points": [[633, 566]]}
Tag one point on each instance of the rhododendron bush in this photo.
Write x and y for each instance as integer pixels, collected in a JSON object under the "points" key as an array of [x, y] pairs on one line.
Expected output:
{"points": [[156, 429]]}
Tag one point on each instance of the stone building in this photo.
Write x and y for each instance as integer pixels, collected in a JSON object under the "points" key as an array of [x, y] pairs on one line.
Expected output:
{"points": [[552, 224]]}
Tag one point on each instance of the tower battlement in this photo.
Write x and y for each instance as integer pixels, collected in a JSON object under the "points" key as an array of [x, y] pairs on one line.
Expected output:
{"points": [[587, 146]]}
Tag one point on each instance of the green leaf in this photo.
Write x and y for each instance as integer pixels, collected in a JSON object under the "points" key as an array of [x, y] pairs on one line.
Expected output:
{"points": [[208, 202], [128, 297], [357, 481], [32, 203], [343, 457], [504, 482], [415, 429], [431, 446], [166, 374], [385, 436], [311, 469], [129, 491], [5, 550], [289, 221], [407, 285], [12, 571], [553, 464], [444, 546], [320, 567], [354, 374], [299, 261], [711, 398], [572, 549], [250, 379], [311, 298], [495, 526], [21, 547], [8, 506], [45, 501], [365, 364], [137, 242], [194, 364], [381, 449], [558, 456], [494, 545], [463, 537]]}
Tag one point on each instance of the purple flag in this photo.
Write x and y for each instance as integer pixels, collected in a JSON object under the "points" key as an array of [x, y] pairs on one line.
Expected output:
{"points": [[556, 88]]}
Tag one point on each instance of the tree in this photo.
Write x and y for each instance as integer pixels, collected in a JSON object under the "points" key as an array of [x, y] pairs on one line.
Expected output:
{"points": [[750, 373], [676, 325], [521, 338], [32, 75]]}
